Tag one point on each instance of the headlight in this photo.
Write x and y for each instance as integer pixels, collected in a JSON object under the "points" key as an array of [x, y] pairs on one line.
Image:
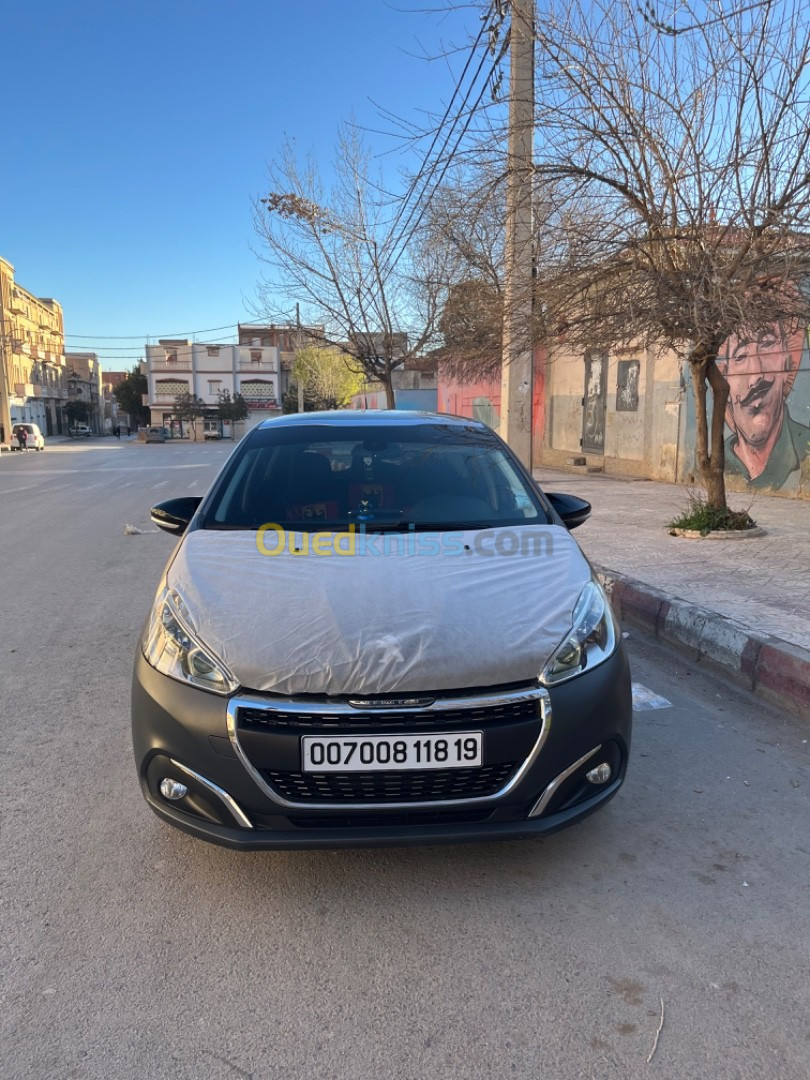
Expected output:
{"points": [[170, 646], [591, 639]]}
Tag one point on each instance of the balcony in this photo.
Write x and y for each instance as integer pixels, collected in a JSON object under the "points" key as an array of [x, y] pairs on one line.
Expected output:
{"points": [[267, 367], [170, 365]]}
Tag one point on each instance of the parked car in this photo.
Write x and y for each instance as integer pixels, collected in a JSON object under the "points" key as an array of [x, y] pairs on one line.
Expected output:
{"points": [[377, 629], [80, 430], [156, 434], [35, 440], [212, 429]]}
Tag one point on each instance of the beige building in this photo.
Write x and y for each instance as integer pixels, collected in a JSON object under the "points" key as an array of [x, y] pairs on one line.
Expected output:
{"points": [[632, 412], [32, 339], [623, 412], [175, 367], [286, 337], [83, 382]]}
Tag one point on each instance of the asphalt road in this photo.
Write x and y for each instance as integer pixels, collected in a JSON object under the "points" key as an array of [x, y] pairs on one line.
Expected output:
{"points": [[131, 950]]}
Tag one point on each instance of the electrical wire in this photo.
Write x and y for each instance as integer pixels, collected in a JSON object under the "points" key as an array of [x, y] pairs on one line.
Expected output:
{"points": [[392, 242], [143, 337], [402, 241]]}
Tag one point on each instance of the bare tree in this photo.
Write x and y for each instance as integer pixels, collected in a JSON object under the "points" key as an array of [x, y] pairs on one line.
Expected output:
{"points": [[465, 220], [684, 161], [189, 408], [331, 252]]}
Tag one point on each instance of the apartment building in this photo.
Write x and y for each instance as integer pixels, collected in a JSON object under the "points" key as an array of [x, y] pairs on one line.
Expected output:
{"points": [[175, 367], [32, 340], [83, 382], [288, 338]]}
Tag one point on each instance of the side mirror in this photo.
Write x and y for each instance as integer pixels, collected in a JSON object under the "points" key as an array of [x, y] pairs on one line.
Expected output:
{"points": [[174, 515], [573, 510]]}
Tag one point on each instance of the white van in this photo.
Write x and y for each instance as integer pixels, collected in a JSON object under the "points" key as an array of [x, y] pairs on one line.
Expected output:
{"points": [[34, 440]]}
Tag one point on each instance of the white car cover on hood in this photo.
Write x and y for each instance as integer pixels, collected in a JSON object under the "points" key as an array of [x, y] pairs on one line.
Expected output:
{"points": [[382, 623]]}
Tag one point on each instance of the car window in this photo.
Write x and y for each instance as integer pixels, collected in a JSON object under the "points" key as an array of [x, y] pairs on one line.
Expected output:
{"points": [[420, 476]]}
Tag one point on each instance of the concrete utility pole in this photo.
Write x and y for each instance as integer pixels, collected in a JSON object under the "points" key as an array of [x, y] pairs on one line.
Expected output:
{"points": [[517, 373]]}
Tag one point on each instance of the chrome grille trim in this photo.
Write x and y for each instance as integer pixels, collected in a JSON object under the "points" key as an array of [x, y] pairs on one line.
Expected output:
{"points": [[535, 695]]}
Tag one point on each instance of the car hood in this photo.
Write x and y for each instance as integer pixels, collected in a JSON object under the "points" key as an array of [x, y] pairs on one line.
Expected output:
{"points": [[480, 608]]}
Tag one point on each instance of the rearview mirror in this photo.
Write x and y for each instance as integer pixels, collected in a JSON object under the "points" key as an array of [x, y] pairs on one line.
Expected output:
{"points": [[573, 510], [174, 515]]}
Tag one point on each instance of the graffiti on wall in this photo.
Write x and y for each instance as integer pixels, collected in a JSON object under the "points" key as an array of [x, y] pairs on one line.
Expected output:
{"points": [[768, 412], [767, 421], [595, 400], [627, 386]]}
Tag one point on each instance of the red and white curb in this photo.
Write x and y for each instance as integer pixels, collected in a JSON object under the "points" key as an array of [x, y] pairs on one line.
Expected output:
{"points": [[776, 670]]}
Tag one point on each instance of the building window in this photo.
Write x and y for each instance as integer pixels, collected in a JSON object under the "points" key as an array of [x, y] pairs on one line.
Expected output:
{"points": [[213, 350], [255, 356], [171, 356], [214, 386]]}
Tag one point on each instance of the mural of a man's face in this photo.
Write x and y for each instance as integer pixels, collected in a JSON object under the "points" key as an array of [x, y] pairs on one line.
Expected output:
{"points": [[759, 374]]}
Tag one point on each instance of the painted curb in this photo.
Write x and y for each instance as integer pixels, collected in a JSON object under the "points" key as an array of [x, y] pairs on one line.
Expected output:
{"points": [[718, 534], [775, 670]]}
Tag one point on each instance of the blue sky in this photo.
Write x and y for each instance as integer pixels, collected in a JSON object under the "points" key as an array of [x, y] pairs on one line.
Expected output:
{"points": [[136, 135]]}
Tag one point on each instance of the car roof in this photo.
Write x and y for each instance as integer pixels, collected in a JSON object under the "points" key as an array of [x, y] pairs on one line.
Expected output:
{"points": [[371, 418]]}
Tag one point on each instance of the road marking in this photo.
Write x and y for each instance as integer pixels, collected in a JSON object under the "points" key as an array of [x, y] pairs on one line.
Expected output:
{"points": [[162, 483], [643, 698], [10, 491], [103, 469]]}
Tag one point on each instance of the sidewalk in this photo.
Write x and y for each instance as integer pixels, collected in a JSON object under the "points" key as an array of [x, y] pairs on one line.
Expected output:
{"points": [[740, 604]]}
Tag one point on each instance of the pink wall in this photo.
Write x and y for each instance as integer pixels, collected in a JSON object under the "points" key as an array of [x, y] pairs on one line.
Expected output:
{"points": [[482, 400]]}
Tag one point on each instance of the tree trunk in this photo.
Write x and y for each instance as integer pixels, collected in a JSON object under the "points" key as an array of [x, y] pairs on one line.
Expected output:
{"points": [[709, 447], [716, 486], [389, 390]]}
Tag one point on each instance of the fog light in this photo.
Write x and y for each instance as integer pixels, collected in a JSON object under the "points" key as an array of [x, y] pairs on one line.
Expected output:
{"points": [[600, 775], [172, 789]]}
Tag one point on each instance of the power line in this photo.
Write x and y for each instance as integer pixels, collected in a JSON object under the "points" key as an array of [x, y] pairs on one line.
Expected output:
{"points": [[128, 348], [402, 242], [391, 242], [143, 337]]}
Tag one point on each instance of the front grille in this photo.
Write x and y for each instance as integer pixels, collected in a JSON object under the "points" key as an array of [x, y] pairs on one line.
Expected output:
{"points": [[418, 785], [407, 720], [403, 817]]}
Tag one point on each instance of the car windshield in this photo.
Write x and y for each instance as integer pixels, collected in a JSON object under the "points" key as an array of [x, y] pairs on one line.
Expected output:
{"points": [[390, 477]]}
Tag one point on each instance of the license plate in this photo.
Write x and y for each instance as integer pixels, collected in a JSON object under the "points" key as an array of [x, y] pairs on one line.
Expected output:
{"points": [[391, 753]]}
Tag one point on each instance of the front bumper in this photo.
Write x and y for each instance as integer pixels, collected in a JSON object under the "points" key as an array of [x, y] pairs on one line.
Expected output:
{"points": [[193, 737]]}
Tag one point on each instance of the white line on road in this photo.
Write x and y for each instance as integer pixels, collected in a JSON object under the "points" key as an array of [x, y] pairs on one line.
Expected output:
{"points": [[644, 698], [104, 469]]}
